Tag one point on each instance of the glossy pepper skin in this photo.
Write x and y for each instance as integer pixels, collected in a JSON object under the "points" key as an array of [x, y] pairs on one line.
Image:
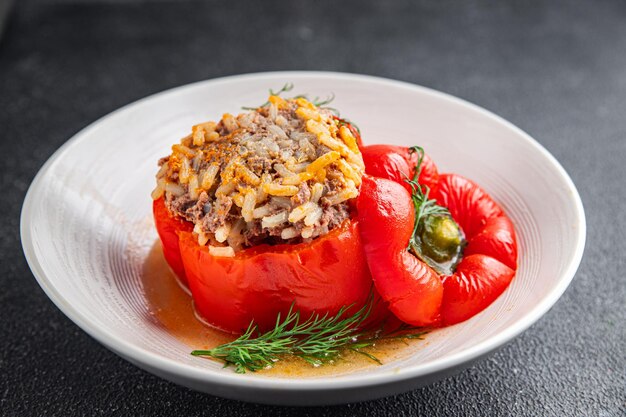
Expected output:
{"points": [[412, 290], [168, 228], [490, 257], [258, 283], [397, 163]]}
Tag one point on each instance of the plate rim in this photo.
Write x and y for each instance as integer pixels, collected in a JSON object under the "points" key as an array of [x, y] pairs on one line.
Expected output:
{"points": [[150, 360]]}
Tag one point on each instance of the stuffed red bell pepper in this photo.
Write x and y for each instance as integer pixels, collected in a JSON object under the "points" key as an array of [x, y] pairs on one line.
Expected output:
{"points": [[256, 213]]}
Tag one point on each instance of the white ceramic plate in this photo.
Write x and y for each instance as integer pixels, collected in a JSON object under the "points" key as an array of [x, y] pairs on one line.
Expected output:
{"points": [[86, 225]]}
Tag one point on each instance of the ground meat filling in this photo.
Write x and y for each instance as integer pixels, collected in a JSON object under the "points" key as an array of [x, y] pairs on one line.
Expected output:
{"points": [[284, 173]]}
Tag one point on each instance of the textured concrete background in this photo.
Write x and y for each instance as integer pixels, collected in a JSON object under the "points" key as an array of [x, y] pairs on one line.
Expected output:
{"points": [[557, 69]]}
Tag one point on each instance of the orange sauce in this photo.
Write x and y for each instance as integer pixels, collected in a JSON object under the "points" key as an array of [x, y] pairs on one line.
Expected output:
{"points": [[172, 307]]}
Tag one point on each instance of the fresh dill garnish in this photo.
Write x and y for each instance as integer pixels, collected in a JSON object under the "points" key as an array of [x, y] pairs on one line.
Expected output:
{"points": [[423, 205], [322, 103], [317, 340], [436, 238], [317, 101], [284, 89]]}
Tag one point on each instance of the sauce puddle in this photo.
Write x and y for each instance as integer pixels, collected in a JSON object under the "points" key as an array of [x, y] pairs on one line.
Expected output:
{"points": [[172, 306]]}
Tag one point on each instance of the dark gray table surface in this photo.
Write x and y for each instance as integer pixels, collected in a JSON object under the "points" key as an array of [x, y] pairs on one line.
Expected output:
{"points": [[557, 69]]}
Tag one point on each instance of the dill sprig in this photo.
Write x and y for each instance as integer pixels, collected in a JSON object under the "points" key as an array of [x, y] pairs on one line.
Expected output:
{"points": [[321, 102], [442, 257], [317, 340], [424, 206]]}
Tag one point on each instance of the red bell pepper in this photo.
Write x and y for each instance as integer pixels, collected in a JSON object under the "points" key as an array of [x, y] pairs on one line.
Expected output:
{"points": [[398, 163], [259, 282], [412, 289], [387, 217], [490, 258]]}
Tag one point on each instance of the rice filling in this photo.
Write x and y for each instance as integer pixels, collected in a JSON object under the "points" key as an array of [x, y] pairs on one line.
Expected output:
{"points": [[283, 173]]}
